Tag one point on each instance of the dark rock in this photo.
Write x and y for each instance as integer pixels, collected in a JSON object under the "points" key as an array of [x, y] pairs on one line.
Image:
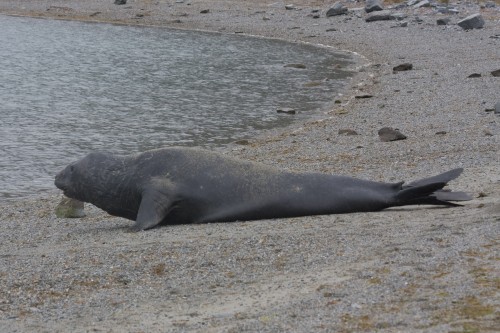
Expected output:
{"points": [[474, 21], [403, 67], [242, 142], [497, 108], [205, 11], [331, 29], [390, 134], [286, 111], [347, 132], [418, 20], [120, 2], [383, 15], [474, 75], [441, 133], [290, 7], [363, 96], [496, 73], [337, 9], [300, 66], [373, 6], [403, 24], [443, 21]]}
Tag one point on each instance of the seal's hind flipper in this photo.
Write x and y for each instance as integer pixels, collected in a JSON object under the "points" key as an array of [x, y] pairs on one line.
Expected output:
{"points": [[444, 177], [429, 191], [156, 203]]}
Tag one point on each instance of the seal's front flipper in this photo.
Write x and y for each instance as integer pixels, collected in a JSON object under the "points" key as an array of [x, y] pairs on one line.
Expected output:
{"points": [[156, 203]]}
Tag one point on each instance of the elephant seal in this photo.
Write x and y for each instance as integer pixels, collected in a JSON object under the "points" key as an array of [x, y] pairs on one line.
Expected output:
{"points": [[187, 185]]}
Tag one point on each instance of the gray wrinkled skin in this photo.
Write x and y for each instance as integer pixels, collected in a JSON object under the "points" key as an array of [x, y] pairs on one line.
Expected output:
{"points": [[186, 185]]}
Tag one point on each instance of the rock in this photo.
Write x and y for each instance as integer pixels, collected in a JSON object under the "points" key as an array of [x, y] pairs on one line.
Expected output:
{"points": [[347, 132], [412, 2], [286, 110], [387, 134], [120, 2], [474, 75], [205, 11], [289, 7], [497, 108], [474, 21], [496, 73], [373, 6], [403, 24], [423, 3], [242, 142], [300, 66], [363, 96], [69, 208], [337, 9], [403, 67], [446, 10], [443, 21], [383, 15]]}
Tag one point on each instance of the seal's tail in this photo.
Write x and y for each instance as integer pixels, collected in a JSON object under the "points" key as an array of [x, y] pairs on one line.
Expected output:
{"points": [[429, 191]]}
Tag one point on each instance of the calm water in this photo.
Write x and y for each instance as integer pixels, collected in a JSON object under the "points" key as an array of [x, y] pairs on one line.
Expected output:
{"points": [[68, 88]]}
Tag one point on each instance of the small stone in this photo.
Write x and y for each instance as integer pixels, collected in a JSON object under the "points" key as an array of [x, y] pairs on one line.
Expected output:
{"points": [[487, 132], [242, 142], [337, 9], [496, 73], [423, 3], [120, 2], [299, 66], [403, 67], [383, 15], [69, 208], [441, 133], [443, 21], [363, 96], [205, 11], [387, 134], [474, 75], [373, 5], [497, 108], [347, 132], [286, 111], [474, 21], [289, 7]]}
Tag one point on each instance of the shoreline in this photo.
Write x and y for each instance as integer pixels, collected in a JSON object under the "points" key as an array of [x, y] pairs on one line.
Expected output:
{"points": [[416, 269]]}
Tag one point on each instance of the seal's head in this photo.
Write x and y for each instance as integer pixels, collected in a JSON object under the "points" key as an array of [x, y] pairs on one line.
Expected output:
{"points": [[83, 178]]}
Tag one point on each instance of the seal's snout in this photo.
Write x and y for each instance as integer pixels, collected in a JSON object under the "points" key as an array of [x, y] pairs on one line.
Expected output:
{"points": [[60, 181]]}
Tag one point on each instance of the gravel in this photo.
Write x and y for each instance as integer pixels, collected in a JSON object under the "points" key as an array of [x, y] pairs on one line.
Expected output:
{"points": [[416, 269]]}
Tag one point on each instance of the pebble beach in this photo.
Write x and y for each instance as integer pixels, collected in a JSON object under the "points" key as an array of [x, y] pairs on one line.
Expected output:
{"points": [[410, 269]]}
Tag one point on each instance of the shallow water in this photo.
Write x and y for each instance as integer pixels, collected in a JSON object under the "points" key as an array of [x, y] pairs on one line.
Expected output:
{"points": [[68, 88]]}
